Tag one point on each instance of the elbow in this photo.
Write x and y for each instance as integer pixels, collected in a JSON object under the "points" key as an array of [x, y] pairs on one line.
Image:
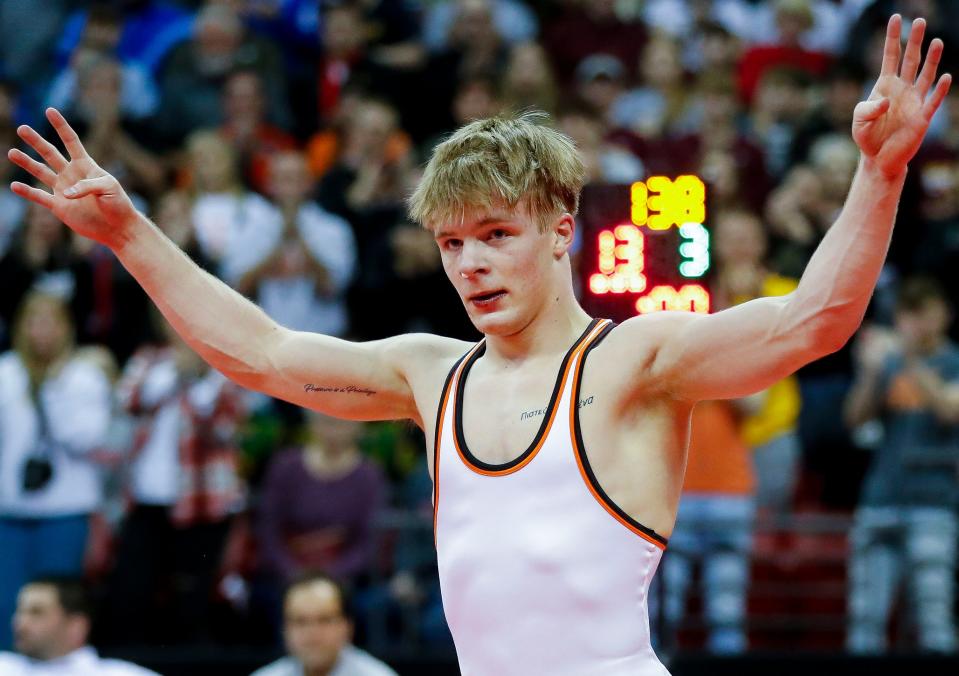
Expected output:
{"points": [[830, 334]]}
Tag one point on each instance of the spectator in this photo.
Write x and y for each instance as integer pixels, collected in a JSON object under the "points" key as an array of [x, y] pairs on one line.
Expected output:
{"points": [[11, 213], [42, 257], [591, 27], [605, 162], [317, 626], [843, 89], [184, 490], [55, 412], [514, 22], [778, 112], [192, 77], [662, 105], [600, 82], [770, 417], [235, 228], [246, 127], [100, 38], [906, 526], [528, 80], [302, 282], [317, 506], [52, 624], [713, 528], [793, 19]]}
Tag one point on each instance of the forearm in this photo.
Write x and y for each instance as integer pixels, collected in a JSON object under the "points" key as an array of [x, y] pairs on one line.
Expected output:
{"points": [[862, 402], [839, 280], [942, 399], [224, 328]]}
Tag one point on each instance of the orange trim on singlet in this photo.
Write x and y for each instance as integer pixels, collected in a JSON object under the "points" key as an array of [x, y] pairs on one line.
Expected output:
{"points": [[549, 424], [438, 433], [578, 453]]}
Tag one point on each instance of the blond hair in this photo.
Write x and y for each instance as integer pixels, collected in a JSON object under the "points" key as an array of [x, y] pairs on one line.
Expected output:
{"points": [[500, 161]]}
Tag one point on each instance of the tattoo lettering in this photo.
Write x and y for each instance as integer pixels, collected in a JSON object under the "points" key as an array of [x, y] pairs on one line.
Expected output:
{"points": [[349, 389], [536, 412]]}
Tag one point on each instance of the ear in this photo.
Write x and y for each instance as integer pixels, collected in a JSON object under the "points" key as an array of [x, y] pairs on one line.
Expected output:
{"points": [[563, 230]]}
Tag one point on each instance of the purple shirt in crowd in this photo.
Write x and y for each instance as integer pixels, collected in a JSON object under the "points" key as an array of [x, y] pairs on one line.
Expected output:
{"points": [[307, 522]]}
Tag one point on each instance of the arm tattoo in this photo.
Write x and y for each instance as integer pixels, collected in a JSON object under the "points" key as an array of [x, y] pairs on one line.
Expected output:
{"points": [[348, 389]]}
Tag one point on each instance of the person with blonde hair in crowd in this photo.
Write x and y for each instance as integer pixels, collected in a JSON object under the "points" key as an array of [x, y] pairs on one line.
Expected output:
{"points": [[55, 408]]}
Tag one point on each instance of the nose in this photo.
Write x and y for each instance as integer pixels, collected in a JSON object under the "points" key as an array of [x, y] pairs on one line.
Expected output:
{"points": [[471, 260]]}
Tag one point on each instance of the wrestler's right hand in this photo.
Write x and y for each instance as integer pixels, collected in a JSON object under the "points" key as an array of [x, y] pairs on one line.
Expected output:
{"points": [[85, 197]]}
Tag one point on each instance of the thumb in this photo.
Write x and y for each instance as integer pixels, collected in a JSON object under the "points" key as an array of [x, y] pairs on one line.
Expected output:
{"points": [[101, 185], [866, 111]]}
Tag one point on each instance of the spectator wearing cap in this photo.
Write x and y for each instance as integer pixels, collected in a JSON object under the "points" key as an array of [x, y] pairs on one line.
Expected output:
{"points": [[600, 81], [51, 624]]}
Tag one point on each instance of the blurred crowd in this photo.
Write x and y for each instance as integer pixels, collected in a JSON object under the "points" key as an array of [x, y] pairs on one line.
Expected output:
{"points": [[276, 144]]}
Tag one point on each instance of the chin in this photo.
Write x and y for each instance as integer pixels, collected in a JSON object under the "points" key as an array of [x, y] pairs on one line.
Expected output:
{"points": [[502, 323]]}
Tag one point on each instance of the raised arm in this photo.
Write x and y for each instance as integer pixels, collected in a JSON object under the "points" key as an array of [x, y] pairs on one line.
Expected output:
{"points": [[344, 379], [747, 348]]}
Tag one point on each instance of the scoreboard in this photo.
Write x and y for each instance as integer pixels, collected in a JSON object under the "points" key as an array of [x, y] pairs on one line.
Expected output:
{"points": [[644, 247]]}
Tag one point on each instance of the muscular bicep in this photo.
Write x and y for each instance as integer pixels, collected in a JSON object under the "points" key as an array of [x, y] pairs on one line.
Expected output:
{"points": [[730, 354], [359, 381]]}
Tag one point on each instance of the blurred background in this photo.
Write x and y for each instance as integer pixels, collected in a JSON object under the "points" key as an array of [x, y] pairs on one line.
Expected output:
{"points": [[276, 140]]}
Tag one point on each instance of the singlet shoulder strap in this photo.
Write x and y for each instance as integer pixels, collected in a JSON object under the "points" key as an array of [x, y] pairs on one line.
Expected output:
{"points": [[451, 378], [579, 449]]}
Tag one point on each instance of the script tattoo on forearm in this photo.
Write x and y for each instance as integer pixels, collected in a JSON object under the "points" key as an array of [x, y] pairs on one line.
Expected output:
{"points": [[526, 415], [346, 389]]}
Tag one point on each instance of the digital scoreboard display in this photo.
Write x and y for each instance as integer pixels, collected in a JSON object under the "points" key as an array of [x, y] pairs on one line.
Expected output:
{"points": [[644, 247]]}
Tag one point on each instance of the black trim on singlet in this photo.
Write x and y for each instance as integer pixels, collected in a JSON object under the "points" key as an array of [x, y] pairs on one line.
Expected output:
{"points": [[581, 447], [439, 418], [458, 408]]}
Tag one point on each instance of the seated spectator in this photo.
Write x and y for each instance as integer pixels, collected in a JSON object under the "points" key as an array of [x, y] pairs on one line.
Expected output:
{"points": [[51, 626], [100, 39], [184, 489], [247, 129], [906, 528], [600, 82], [779, 111], [235, 228], [302, 282], [605, 162], [317, 628], [317, 505], [841, 91], [42, 256], [192, 77], [56, 409]]}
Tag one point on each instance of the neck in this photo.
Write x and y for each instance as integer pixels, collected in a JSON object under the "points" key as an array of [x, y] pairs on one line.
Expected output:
{"points": [[560, 321]]}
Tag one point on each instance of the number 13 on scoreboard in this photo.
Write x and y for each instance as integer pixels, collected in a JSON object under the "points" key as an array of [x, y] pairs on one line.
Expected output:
{"points": [[657, 204]]}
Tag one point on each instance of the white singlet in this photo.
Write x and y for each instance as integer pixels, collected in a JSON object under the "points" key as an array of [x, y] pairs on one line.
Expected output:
{"points": [[540, 572]]}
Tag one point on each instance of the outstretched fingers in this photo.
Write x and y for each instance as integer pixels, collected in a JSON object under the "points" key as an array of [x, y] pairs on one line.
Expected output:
{"points": [[931, 105], [41, 197], [928, 73], [69, 137], [41, 172], [47, 150], [910, 62], [890, 52]]}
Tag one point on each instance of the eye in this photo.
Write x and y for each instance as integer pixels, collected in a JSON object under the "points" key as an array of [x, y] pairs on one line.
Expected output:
{"points": [[452, 244], [499, 233]]}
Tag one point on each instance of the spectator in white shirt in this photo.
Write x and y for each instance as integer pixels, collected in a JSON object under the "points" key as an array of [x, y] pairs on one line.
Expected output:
{"points": [[317, 628], [55, 408], [302, 281], [235, 228], [51, 624]]}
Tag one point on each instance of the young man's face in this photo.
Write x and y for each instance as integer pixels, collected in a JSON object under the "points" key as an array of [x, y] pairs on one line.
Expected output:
{"points": [[503, 266]]}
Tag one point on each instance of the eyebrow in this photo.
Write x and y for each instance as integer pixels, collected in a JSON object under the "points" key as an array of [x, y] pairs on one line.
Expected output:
{"points": [[488, 220]]}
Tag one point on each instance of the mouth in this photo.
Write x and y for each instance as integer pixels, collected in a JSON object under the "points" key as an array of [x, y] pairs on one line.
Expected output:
{"points": [[486, 298]]}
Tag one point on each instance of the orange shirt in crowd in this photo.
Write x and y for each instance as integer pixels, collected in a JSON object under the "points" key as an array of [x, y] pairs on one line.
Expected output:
{"points": [[719, 460]]}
